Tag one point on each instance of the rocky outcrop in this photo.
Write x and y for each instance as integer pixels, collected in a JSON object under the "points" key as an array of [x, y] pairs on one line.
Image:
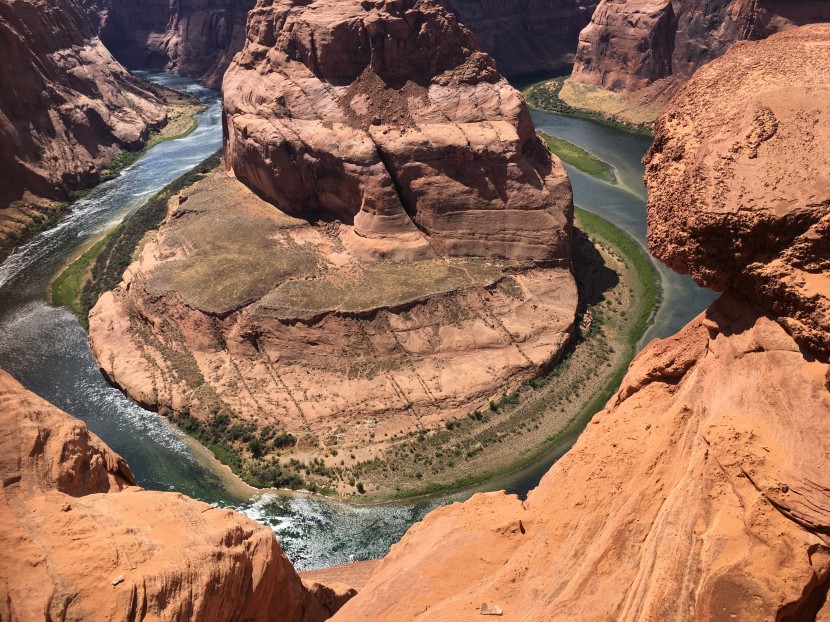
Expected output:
{"points": [[526, 36], [195, 38], [386, 117], [631, 44], [82, 542], [739, 180], [701, 491], [66, 108]]}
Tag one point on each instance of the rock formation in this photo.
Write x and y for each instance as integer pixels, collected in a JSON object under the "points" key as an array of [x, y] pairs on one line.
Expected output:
{"points": [[387, 118], [526, 36], [196, 38], [82, 542], [700, 492], [739, 180], [629, 45], [66, 109]]}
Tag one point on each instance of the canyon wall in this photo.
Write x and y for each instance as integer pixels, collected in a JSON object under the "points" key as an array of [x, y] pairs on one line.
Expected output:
{"points": [[630, 45], [700, 492], [196, 38], [66, 109], [82, 542], [525, 36]]}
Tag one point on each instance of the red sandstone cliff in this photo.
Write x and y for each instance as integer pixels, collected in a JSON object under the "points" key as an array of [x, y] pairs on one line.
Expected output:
{"points": [[739, 180], [701, 491], [629, 45], [81, 542], [66, 107]]}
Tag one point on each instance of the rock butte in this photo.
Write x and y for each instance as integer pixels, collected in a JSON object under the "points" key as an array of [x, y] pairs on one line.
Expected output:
{"points": [[66, 109], [82, 542], [700, 492], [444, 281], [646, 49]]}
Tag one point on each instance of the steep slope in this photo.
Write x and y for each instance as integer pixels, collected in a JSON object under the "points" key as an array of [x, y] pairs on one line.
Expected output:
{"points": [[525, 36], [66, 109], [700, 492], [82, 542], [651, 47], [196, 38]]}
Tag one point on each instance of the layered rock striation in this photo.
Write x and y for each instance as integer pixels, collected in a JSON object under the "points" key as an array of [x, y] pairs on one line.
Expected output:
{"points": [[739, 180], [66, 108], [528, 36], [82, 542], [630, 45], [700, 492], [196, 38], [387, 118]]}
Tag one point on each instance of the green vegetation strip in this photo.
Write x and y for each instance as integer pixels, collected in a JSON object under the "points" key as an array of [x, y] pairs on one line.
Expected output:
{"points": [[101, 268], [646, 290], [579, 158], [545, 96]]}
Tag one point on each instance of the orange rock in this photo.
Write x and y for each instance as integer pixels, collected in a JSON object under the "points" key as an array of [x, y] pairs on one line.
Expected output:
{"points": [[81, 542]]}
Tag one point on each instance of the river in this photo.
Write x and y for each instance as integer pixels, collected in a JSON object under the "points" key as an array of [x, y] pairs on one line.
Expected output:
{"points": [[46, 349]]}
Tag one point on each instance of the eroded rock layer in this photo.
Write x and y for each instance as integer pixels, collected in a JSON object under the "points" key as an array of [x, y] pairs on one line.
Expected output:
{"points": [[81, 542], [386, 117], [651, 47], [235, 307], [196, 38], [701, 491], [739, 179], [66, 108], [526, 36]]}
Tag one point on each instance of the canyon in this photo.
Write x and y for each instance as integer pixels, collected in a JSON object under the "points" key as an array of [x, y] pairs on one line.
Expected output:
{"points": [[422, 236], [66, 111], [196, 38], [386, 251]]}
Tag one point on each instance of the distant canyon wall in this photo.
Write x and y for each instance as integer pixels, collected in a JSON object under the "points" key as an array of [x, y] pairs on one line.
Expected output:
{"points": [[195, 38], [632, 44], [525, 36]]}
